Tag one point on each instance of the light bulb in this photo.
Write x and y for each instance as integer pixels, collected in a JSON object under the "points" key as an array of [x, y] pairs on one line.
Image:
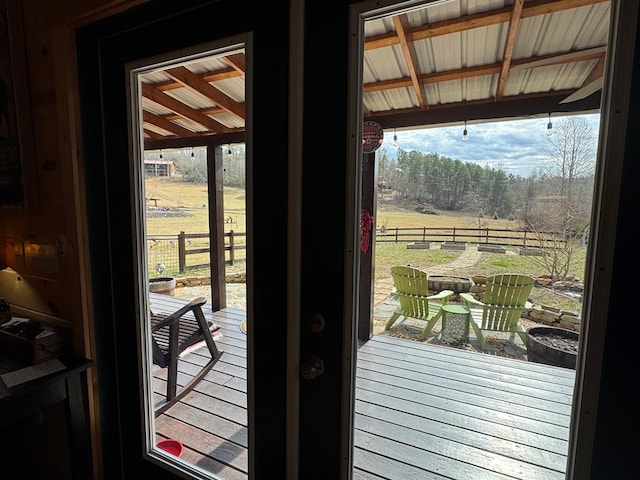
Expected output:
{"points": [[465, 136], [549, 127], [395, 138]]}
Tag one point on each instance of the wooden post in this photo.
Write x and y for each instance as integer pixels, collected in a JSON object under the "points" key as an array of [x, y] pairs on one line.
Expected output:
{"points": [[182, 255], [215, 171], [231, 253], [369, 182]]}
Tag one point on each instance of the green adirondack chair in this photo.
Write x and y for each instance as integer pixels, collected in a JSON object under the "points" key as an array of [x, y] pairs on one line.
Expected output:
{"points": [[410, 286], [505, 298]]}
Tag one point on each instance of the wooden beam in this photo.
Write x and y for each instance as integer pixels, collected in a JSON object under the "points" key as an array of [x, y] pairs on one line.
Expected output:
{"points": [[150, 92], [444, 27], [216, 76], [410, 58], [445, 76], [521, 106], [196, 84], [544, 7], [592, 83], [195, 141], [460, 73], [597, 72], [476, 20], [235, 61], [167, 125], [404, 82], [492, 69], [514, 26], [595, 53], [152, 135], [585, 91]]}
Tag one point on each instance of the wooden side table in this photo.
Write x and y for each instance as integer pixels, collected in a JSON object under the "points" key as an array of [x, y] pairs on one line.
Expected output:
{"points": [[66, 385]]}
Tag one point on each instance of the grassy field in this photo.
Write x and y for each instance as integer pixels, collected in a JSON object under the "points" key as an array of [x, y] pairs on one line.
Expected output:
{"points": [[176, 195], [183, 206]]}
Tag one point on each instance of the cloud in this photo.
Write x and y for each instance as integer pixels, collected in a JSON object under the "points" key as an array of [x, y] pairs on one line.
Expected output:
{"points": [[517, 146]]}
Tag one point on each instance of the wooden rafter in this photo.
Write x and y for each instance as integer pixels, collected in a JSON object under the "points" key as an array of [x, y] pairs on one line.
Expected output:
{"points": [[469, 72], [223, 74], [203, 88], [148, 91], [210, 115], [401, 23], [595, 53], [476, 20], [597, 72], [512, 33], [235, 61], [167, 125], [152, 135], [592, 83]]}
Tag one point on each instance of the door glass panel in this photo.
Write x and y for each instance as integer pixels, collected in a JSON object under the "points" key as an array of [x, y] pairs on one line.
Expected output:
{"points": [[472, 180], [189, 163]]}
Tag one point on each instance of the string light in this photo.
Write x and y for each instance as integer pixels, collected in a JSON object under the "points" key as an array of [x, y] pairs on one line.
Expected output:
{"points": [[465, 135], [192, 155], [549, 127], [395, 138]]}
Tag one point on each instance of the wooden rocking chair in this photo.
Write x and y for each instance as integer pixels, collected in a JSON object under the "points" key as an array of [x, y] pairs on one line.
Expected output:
{"points": [[173, 334], [411, 288], [505, 298]]}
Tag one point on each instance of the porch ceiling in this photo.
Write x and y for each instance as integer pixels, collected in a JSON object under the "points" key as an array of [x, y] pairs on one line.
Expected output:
{"points": [[445, 63]]}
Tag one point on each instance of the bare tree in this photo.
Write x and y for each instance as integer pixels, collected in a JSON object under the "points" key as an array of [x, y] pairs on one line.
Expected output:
{"points": [[556, 239], [558, 214], [571, 148]]}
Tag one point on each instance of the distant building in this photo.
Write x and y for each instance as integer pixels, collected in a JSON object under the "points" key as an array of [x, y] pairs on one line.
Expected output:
{"points": [[159, 168]]}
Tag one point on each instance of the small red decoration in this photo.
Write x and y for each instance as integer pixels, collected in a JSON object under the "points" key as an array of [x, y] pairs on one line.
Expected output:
{"points": [[366, 222]]}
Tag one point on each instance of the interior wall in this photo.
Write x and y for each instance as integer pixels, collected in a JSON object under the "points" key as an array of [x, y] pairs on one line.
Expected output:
{"points": [[53, 289]]}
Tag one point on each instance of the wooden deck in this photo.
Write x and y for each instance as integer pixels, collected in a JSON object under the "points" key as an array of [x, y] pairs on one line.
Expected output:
{"points": [[422, 411]]}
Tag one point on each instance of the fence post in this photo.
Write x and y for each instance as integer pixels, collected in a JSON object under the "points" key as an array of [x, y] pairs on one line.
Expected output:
{"points": [[182, 252], [424, 234], [231, 256], [454, 235]]}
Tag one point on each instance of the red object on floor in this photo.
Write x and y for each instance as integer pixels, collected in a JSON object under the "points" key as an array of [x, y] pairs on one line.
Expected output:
{"points": [[172, 446]]}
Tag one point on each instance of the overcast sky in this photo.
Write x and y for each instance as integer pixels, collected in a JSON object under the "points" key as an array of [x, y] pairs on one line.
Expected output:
{"points": [[516, 147]]}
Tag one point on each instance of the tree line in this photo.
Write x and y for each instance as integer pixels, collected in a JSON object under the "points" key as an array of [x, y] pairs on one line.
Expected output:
{"points": [[434, 181]]}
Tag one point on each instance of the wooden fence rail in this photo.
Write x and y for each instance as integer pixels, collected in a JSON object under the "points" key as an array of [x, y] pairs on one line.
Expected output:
{"points": [[230, 246], [174, 252], [493, 236]]}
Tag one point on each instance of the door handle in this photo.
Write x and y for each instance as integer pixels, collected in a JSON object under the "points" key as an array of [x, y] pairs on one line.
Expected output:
{"points": [[312, 368]]}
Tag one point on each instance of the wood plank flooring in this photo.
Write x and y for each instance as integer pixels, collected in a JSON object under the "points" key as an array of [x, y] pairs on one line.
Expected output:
{"points": [[422, 411]]}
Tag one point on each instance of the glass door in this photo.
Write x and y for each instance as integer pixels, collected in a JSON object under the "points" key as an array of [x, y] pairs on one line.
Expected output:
{"points": [[148, 94], [195, 404]]}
